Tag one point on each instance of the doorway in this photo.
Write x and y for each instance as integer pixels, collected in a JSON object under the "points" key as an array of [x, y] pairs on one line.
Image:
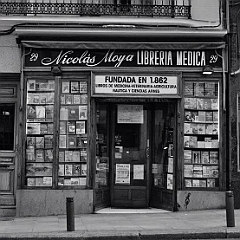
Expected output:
{"points": [[135, 155]]}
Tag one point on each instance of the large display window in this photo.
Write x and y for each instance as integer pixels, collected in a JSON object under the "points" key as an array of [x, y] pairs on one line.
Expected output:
{"points": [[56, 132]]}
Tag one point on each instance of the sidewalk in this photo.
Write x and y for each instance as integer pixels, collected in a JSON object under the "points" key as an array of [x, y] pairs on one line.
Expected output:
{"points": [[162, 225]]}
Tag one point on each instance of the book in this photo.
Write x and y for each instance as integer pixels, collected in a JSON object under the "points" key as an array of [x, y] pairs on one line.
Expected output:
{"points": [[83, 112], [207, 104], [31, 112], [65, 87], [83, 87], [75, 87], [43, 128], [68, 170], [83, 169], [61, 170], [76, 156], [188, 88], [211, 183], [213, 157], [43, 86], [215, 117], [73, 113], [51, 85], [188, 182], [188, 170], [63, 113], [48, 139], [209, 129], [215, 143], [61, 156], [198, 171], [71, 127], [192, 141], [31, 85], [71, 141], [39, 142], [43, 98], [208, 142], [75, 181], [194, 128], [200, 144], [76, 99], [215, 129], [62, 127], [187, 128], [33, 128], [199, 89], [31, 182], [67, 182], [68, 99], [214, 104], [49, 112], [186, 141], [76, 170], [62, 99], [190, 103], [50, 98], [30, 155], [39, 182], [200, 103], [31, 141], [50, 128], [83, 181], [84, 98], [60, 181], [195, 183], [196, 157], [201, 116], [209, 116], [68, 156], [48, 155], [213, 170], [80, 127], [201, 128], [190, 116], [202, 183], [47, 181], [62, 141], [205, 157], [40, 112], [36, 99], [210, 89]]}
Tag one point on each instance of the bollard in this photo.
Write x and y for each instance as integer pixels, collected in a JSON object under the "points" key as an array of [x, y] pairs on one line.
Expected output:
{"points": [[230, 209], [70, 214]]}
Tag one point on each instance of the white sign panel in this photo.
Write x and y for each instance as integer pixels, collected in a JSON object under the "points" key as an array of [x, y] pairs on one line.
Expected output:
{"points": [[122, 174], [132, 85], [130, 114]]}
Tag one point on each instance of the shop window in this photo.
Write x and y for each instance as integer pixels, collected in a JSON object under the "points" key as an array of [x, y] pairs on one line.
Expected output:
{"points": [[56, 133], [201, 135]]}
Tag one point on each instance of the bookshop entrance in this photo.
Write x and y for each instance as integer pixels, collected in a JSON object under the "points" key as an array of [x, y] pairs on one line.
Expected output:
{"points": [[135, 155]]}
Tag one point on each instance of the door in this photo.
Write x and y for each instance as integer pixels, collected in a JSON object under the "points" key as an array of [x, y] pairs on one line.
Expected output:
{"points": [[8, 136], [130, 156]]}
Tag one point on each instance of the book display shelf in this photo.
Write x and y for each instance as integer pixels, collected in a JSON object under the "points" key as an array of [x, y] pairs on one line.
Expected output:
{"points": [[39, 131], [73, 133], [201, 130]]}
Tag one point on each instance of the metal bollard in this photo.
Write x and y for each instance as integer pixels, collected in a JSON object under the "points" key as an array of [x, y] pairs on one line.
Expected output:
{"points": [[70, 214], [230, 209]]}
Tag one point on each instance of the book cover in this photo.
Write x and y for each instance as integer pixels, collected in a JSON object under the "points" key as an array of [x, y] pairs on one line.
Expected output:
{"points": [[68, 156], [187, 128], [84, 98], [39, 142], [48, 139], [50, 128], [210, 89], [195, 183], [211, 183], [208, 142], [69, 99], [75, 181], [214, 104], [40, 112], [47, 181], [202, 183], [209, 129], [43, 86], [206, 172], [61, 170], [215, 117], [43, 98], [36, 98], [30, 155], [213, 157], [62, 127], [67, 182], [68, 170], [71, 141], [200, 144], [190, 103], [31, 112], [83, 181], [83, 169], [62, 141], [170, 181], [199, 89], [194, 128], [196, 157], [51, 85], [188, 170], [83, 112], [31, 86], [48, 155], [30, 98], [71, 127], [200, 103], [213, 171], [201, 116], [190, 116], [61, 156], [192, 141], [31, 141], [80, 127], [50, 98], [188, 88], [83, 87], [62, 99], [33, 128], [39, 182], [76, 99], [186, 141], [215, 129], [63, 113], [201, 128], [76, 156], [198, 171], [75, 87], [215, 143], [76, 170], [65, 87], [73, 113], [31, 182], [209, 116], [188, 182], [49, 112], [205, 159], [207, 104], [43, 128], [60, 181]]}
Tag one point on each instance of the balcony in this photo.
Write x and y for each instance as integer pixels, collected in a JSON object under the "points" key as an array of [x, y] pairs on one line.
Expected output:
{"points": [[129, 8]]}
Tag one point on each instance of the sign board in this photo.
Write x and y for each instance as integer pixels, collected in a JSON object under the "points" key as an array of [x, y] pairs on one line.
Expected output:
{"points": [[117, 85]]}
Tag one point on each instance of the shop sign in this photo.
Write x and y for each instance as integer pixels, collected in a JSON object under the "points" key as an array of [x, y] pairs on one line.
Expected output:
{"points": [[122, 174], [122, 58], [135, 85]]}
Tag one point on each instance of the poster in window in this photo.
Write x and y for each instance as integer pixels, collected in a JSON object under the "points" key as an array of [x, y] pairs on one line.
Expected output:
{"points": [[130, 114], [170, 181], [122, 174], [138, 172]]}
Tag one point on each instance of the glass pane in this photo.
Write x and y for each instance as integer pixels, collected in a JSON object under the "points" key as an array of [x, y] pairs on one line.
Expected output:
{"points": [[102, 147], [73, 139], [39, 130], [7, 116]]}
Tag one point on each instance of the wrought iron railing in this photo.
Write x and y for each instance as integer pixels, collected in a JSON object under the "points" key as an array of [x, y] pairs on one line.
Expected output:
{"points": [[137, 8]]}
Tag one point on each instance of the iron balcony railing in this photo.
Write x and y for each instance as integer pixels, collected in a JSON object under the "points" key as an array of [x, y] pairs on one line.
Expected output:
{"points": [[135, 8]]}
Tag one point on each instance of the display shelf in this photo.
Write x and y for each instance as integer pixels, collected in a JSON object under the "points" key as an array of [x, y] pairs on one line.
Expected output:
{"points": [[201, 130]]}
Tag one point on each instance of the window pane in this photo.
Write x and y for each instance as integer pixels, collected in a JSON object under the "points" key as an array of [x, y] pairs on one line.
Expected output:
{"points": [[7, 112]]}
